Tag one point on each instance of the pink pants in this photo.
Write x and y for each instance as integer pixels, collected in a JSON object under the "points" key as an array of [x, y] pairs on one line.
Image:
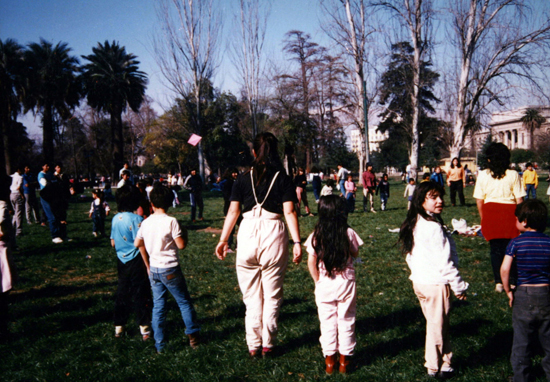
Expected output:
{"points": [[435, 301], [262, 258], [336, 303]]}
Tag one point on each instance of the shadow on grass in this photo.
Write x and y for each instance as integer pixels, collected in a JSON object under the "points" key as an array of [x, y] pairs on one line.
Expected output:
{"points": [[63, 290], [495, 349]]}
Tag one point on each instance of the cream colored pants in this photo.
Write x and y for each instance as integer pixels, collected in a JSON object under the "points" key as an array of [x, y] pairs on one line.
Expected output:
{"points": [[262, 258], [336, 301], [435, 301]]}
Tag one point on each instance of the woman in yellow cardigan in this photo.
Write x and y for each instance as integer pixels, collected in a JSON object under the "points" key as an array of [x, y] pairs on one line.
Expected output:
{"points": [[456, 179]]}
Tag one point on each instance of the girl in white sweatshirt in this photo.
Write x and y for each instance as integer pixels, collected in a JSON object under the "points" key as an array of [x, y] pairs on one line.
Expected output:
{"points": [[432, 259]]}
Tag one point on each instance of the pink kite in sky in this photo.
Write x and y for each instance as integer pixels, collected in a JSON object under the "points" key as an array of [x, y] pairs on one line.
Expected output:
{"points": [[194, 139]]}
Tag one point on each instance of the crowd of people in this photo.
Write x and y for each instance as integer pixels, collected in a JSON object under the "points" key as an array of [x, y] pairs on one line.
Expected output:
{"points": [[260, 200]]}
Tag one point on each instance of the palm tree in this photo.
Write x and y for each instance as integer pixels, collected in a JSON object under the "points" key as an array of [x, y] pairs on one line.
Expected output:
{"points": [[53, 87], [11, 90], [532, 120], [113, 82]]}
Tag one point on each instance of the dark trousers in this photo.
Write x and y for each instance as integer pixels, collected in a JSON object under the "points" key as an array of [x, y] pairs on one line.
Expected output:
{"points": [[350, 201], [99, 224], [133, 292], [498, 250], [530, 320], [3, 314], [196, 201], [457, 186]]}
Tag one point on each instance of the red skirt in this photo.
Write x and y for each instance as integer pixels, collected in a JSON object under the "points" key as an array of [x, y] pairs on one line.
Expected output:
{"points": [[499, 221]]}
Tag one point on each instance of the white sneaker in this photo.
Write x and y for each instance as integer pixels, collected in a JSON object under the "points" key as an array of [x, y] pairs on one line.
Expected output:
{"points": [[95, 234], [499, 288], [57, 240]]}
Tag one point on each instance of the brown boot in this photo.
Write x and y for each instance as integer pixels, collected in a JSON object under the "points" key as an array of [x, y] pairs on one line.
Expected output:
{"points": [[194, 340], [330, 361], [344, 363]]}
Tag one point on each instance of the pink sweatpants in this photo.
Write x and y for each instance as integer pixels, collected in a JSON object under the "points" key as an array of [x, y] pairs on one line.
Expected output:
{"points": [[336, 303], [262, 258], [435, 301]]}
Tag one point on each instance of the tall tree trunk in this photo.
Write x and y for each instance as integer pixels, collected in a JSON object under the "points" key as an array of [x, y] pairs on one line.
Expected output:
{"points": [[359, 79], [47, 134], [117, 141]]}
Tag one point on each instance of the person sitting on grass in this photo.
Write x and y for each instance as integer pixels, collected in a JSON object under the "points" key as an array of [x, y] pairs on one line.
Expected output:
{"points": [[328, 188], [133, 285], [159, 239], [531, 299]]}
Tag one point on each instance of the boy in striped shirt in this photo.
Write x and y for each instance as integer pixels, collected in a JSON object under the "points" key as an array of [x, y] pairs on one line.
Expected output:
{"points": [[531, 299]]}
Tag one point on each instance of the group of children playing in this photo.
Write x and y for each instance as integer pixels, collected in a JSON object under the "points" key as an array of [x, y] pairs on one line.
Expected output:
{"points": [[148, 261], [332, 248]]}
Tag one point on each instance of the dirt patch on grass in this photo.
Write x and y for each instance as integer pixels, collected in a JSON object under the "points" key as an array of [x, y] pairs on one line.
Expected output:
{"points": [[217, 231]]}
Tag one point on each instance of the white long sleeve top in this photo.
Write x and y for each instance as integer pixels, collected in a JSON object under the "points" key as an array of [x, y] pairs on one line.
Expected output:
{"points": [[433, 259]]}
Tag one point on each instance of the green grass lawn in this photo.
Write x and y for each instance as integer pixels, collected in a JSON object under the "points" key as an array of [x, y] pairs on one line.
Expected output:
{"points": [[61, 310]]}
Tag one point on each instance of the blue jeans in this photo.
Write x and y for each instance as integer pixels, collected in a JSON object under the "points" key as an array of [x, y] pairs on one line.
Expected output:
{"points": [[52, 221], [530, 188], [172, 280], [383, 200], [99, 224], [530, 319], [317, 192], [342, 186]]}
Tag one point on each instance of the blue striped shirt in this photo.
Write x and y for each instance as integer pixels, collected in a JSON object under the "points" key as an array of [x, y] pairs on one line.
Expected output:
{"points": [[531, 251]]}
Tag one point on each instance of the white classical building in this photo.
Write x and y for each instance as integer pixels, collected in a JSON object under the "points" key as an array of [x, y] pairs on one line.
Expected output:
{"points": [[375, 139], [506, 127]]}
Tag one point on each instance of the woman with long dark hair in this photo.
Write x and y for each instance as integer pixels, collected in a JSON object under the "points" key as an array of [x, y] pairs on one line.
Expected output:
{"points": [[456, 179], [264, 194], [498, 189], [432, 258]]}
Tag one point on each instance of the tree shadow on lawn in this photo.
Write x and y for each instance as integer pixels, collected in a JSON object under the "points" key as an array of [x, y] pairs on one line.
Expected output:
{"points": [[63, 290], [76, 317], [415, 337]]}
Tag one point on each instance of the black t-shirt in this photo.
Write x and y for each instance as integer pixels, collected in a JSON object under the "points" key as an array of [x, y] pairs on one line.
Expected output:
{"points": [[300, 181], [282, 191]]}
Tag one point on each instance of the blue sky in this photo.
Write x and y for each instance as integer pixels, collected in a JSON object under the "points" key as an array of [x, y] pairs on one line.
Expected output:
{"points": [[84, 23]]}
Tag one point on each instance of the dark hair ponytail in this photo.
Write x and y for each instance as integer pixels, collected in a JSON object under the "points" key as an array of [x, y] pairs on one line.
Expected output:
{"points": [[330, 237], [267, 156], [406, 238]]}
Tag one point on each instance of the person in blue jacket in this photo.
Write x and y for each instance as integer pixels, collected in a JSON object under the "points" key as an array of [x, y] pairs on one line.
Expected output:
{"points": [[437, 176]]}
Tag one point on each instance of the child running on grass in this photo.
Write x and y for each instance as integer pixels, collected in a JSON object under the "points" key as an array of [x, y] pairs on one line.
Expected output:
{"points": [[159, 239], [531, 299], [432, 259], [332, 247], [99, 210], [133, 292]]}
